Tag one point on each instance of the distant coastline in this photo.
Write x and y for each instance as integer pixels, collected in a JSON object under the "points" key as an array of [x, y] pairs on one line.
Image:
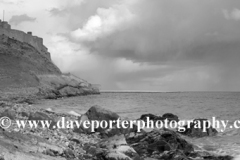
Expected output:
{"points": [[140, 91]]}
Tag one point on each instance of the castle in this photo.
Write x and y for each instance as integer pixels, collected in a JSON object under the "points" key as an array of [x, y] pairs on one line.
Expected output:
{"points": [[36, 42]]}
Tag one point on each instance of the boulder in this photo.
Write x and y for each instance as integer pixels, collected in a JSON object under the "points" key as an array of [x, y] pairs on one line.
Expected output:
{"points": [[170, 117], [158, 142], [196, 129], [99, 113], [151, 117]]}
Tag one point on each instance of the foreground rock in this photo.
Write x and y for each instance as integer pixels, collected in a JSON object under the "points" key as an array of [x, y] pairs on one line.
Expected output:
{"points": [[167, 116], [157, 142], [106, 144], [196, 129], [100, 114], [170, 117]]}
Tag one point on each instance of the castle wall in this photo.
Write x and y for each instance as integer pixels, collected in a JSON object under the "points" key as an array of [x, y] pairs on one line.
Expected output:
{"points": [[4, 25], [23, 37], [36, 42]]}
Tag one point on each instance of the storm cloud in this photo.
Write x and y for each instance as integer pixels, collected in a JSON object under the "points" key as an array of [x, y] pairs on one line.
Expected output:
{"points": [[187, 36], [157, 45], [17, 19]]}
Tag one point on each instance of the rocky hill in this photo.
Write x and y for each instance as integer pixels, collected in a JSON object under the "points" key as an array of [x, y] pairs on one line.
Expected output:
{"points": [[26, 71]]}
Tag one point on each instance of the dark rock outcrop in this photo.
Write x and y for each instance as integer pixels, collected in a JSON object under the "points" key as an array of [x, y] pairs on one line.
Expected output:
{"points": [[196, 129], [151, 117], [170, 117], [155, 143]]}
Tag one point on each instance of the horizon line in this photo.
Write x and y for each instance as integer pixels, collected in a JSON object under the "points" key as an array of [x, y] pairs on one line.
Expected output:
{"points": [[146, 91]]}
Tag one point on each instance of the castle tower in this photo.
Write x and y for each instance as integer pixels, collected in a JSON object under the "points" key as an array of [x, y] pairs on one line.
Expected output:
{"points": [[4, 24]]}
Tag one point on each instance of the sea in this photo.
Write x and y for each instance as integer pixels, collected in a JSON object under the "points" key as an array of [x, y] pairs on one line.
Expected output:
{"points": [[186, 105]]}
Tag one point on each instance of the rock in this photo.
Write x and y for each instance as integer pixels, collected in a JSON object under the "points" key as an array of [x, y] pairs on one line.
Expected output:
{"points": [[92, 150], [170, 117], [25, 114], [99, 113], [159, 141], [172, 155], [68, 153], [74, 113], [49, 110], [82, 129], [75, 140], [39, 116], [119, 131], [50, 152], [69, 91], [219, 158], [47, 93], [151, 117], [8, 113], [196, 129], [116, 148], [208, 156]]}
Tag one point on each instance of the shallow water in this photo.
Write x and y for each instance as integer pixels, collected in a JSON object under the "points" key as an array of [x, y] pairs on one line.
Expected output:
{"points": [[187, 105]]}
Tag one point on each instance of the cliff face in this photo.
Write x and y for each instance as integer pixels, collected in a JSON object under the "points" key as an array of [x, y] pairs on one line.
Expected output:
{"points": [[23, 66], [20, 63]]}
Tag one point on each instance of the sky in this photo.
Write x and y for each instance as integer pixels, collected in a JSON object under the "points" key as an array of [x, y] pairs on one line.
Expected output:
{"points": [[139, 45]]}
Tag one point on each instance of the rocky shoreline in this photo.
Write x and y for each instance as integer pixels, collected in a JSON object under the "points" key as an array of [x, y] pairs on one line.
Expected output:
{"points": [[105, 144]]}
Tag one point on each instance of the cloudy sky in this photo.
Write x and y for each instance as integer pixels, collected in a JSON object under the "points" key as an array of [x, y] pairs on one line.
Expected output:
{"points": [[150, 45]]}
